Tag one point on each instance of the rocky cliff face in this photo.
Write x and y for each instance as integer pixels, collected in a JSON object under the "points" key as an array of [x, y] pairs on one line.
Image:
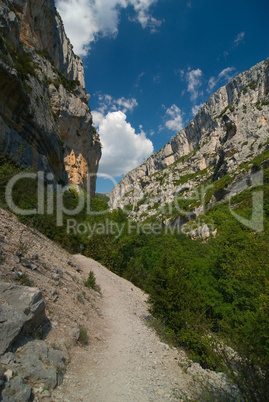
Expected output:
{"points": [[45, 120], [228, 131]]}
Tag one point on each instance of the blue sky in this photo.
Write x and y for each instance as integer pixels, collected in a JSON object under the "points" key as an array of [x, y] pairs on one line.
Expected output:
{"points": [[150, 64]]}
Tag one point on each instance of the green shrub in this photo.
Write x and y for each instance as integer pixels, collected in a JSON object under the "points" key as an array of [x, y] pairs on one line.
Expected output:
{"points": [[83, 336], [199, 291], [91, 282], [25, 66], [253, 85]]}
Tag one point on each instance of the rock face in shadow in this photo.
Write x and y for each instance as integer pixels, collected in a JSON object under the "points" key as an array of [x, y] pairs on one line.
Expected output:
{"points": [[38, 362], [22, 309], [45, 120], [11, 323], [17, 390], [27, 300], [229, 130], [22, 312]]}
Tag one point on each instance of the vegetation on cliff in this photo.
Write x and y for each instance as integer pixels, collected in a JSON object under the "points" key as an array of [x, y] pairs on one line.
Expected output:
{"points": [[207, 294]]}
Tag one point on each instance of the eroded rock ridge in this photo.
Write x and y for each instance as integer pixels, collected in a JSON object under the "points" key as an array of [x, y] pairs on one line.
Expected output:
{"points": [[228, 132]]}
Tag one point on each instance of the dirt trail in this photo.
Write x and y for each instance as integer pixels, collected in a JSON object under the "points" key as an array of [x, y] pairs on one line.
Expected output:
{"points": [[125, 360]]}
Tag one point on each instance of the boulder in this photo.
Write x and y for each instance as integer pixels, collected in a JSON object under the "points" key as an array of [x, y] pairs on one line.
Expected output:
{"points": [[37, 363], [16, 390], [27, 300], [1, 376], [11, 324]]}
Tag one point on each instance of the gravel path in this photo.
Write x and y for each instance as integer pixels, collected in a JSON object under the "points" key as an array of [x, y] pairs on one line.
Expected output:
{"points": [[125, 360]]}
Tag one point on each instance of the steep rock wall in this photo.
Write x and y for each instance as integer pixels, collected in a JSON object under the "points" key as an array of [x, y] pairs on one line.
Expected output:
{"points": [[231, 128], [45, 120]]}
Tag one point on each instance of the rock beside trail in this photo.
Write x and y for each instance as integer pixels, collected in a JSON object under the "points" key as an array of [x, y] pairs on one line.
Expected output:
{"points": [[11, 323], [26, 300], [22, 311], [34, 368], [16, 390], [38, 363], [26, 294]]}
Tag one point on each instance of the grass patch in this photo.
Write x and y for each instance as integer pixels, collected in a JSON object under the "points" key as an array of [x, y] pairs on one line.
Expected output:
{"points": [[83, 336]]}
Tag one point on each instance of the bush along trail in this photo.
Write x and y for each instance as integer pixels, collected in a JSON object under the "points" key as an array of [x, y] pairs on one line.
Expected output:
{"points": [[126, 361], [206, 293]]}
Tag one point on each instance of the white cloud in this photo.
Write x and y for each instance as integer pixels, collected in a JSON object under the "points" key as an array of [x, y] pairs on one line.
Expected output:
{"points": [[194, 80], [142, 14], [239, 38], [107, 103], [126, 104], [147, 21], [123, 148], [212, 83], [175, 123], [86, 20], [98, 117], [195, 109], [225, 75]]}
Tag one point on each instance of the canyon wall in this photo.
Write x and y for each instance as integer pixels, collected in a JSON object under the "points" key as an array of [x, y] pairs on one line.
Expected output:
{"points": [[45, 120], [229, 131]]}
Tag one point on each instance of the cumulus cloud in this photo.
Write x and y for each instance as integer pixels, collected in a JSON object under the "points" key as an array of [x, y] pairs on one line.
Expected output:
{"points": [[86, 20], [239, 38], [175, 122], [224, 76], [123, 148], [194, 80]]}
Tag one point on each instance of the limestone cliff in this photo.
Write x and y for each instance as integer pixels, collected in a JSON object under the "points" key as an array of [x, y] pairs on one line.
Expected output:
{"points": [[45, 120], [230, 129]]}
